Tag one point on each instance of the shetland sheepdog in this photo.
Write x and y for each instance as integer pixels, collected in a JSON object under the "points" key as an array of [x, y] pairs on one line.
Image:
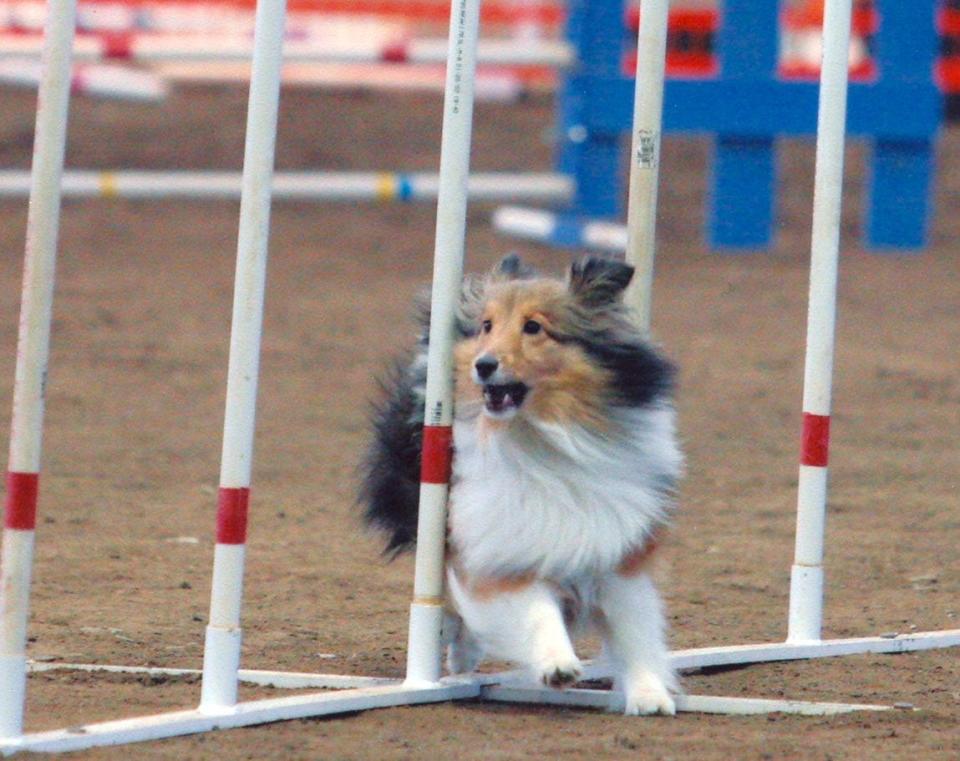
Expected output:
{"points": [[565, 464]]}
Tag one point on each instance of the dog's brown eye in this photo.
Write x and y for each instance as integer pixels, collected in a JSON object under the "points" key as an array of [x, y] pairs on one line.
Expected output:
{"points": [[486, 326], [531, 327]]}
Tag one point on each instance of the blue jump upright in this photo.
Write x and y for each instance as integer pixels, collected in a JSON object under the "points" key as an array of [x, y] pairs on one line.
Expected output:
{"points": [[746, 108]]}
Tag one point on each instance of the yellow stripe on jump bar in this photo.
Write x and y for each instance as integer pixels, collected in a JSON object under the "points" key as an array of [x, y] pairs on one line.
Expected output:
{"points": [[108, 185], [386, 189]]}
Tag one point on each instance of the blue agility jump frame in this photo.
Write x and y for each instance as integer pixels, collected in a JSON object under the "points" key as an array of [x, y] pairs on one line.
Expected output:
{"points": [[746, 109]]}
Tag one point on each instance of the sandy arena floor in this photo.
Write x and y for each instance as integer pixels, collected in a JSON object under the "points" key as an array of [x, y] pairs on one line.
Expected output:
{"points": [[135, 410]]}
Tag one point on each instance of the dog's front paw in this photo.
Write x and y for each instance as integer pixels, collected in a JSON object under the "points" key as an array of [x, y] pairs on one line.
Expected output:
{"points": [[561, 674], [649, 697]]}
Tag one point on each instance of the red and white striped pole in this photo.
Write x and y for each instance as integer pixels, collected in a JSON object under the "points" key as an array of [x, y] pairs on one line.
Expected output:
{"points": [[806, 580], [33, 351], [426, 609], [221, 656]]}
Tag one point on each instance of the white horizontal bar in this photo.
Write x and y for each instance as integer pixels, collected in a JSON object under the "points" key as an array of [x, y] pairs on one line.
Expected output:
{"points": [[320, 186], [683, 660], [502, 52], [279, 679], [98, 80], [152, 48], [549, 227], [785, 651], [739, 655], [609, 700], [242, 715]]}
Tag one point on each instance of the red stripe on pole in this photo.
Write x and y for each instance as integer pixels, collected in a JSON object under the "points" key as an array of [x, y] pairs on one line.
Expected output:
{"points": [[815, 440], [232, 515], [437, 454], [20, 509]]}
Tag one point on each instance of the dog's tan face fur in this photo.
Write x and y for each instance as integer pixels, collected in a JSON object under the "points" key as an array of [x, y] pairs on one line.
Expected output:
{"points": [[565, 387]]}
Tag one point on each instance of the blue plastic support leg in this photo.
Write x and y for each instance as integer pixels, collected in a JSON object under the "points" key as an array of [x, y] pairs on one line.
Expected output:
{"points": [[592, 155], [742, 207], [599, 183], [741, 211], [901, 182], [901, 179]]}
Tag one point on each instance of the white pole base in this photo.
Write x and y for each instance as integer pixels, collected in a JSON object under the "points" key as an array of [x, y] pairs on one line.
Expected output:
{"points": [[610, 700], [805, 619], [424, 651], [505, 686], [13, 682], [245, 714], [290, 680], [221, 662], [682, 660]]}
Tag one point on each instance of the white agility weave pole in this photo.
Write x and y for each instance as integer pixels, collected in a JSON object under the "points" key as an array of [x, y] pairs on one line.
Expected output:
{"points": [[426, 609], [307, 186], [645, 156], [33, 351], [806, 580], [221, 653]]}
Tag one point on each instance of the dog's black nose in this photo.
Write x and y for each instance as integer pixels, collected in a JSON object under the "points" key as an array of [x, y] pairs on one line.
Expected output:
{"points": [[486, 366]]}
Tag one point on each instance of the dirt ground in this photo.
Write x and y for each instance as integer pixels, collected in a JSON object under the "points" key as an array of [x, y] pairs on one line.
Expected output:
{"points": [[135, 408]]}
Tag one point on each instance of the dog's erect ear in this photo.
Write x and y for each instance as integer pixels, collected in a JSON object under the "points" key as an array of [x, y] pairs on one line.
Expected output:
{"points": [[511, 267], [595, 281]]}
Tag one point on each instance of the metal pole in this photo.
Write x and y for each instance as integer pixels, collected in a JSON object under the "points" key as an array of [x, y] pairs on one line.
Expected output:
{"points": [[33, 351], [806, 581], [645, 155], [426, 609], [221, 657]]}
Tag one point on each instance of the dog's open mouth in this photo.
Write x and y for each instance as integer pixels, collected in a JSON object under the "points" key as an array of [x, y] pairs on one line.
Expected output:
{"points": [[503, 399]]}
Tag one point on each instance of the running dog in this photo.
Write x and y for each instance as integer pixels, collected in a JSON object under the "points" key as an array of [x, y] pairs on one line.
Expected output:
{"points": [[565, 465]]}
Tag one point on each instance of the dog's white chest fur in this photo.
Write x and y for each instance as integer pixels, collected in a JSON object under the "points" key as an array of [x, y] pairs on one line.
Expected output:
{"points": [[559, 501]]}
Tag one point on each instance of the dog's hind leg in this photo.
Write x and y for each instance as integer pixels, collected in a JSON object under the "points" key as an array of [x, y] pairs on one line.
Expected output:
{"points": [[633, 623], [463, 651], [520, 621]]}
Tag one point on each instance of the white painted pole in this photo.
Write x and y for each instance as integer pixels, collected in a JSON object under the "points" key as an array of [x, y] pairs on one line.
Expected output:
{"points": [[33, 351], [426, 609], [645, 155], [806, 581], [221, 658]]}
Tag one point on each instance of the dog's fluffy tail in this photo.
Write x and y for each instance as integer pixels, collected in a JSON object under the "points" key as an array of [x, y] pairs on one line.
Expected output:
{"points": [[390, 488], [390, 482]]}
